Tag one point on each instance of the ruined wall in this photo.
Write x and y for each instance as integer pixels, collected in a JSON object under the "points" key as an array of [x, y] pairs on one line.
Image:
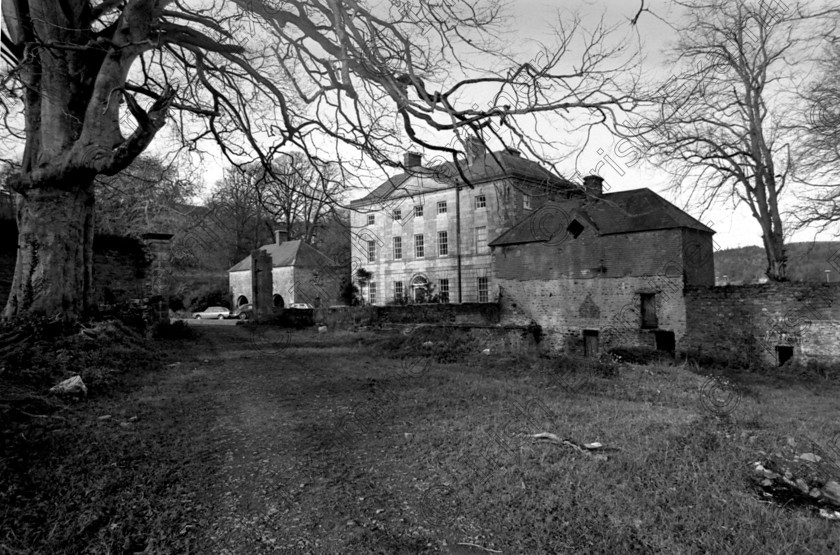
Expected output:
{"points": [[594, 283], [747, 324]]}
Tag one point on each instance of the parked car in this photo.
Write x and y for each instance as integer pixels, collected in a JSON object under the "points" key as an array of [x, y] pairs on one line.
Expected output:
{"points": [[218, 312], [244, 312], [301, 305]]}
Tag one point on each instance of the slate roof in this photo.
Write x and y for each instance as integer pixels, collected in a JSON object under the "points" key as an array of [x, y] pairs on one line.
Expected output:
{"points": [[612, 213], [288, 253], [487, 167]]}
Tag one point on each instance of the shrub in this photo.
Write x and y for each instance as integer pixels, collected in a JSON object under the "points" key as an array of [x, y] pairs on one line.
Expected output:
{"points": [[640, 355], [173, 330], [215, 294]]}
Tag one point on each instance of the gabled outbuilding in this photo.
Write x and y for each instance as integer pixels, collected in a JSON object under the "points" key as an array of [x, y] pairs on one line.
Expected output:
{"points": [[604, 271]]}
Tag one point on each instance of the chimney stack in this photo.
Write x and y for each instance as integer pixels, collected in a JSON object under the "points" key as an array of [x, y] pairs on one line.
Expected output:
{"points": [[594, 185], [281, 234], [412, 160], [475, 148]]}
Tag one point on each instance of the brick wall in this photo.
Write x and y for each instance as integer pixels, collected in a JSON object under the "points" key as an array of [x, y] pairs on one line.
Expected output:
{"points": [[746, 324]]}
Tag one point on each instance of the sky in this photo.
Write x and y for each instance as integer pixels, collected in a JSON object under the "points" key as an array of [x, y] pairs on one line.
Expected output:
{"points": [[596, 152], [581, 154]]}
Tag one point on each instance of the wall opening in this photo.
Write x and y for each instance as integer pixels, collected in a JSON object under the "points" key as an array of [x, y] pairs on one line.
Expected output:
{"points": [[649, 319], [575, 228], [784, 353], [242, 300], [590, 343], [277, 301], [665, 341]]}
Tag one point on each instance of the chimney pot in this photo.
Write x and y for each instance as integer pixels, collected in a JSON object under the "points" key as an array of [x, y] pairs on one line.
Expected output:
{"points": [[594, 184], [281, 234], [412, 159]]}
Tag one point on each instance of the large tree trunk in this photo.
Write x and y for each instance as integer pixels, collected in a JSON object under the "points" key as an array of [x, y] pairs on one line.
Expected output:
{"points": [[774, 246], [54, 270]]}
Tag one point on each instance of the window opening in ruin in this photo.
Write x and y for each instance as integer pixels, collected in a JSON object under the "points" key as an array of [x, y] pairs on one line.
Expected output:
{"points": [[784, 353], [649, 319], [575, 228], [590, 343]]}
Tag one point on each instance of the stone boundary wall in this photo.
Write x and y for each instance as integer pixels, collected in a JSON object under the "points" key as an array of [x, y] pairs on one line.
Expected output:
{"points": [[479, 314], [754, 323]]}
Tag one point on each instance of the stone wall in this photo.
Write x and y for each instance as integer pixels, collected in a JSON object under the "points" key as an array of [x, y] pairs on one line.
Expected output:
{"points": [[756, 323], [479, 314], [595, 284]]}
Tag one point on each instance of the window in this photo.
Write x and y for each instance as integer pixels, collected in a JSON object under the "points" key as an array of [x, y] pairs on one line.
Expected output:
{"points": [[649, 311], [442, 207], [397, 248], [371, 251], [372, 293], [443, 290], [398, 290], [480, 239], [575, 228], [526, 202], [418, 246], [418, 211], [371, 219], [480, 201], [397, 214], [443, 243], [483, 290]]}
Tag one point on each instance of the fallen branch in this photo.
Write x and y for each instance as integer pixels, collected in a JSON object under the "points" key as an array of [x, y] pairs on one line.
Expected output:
{"points": [[468, 544], [586, 448]]}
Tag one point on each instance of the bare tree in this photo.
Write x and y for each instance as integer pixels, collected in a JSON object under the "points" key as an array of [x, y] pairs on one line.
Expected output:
{"points": [[297, 192], [235, 210], [819, 145], [721, 121], [98, 80], [148, 196]]}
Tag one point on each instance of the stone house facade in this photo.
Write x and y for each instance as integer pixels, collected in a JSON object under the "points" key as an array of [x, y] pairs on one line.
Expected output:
{"points": [[406, 231], [604, 271], [300, 274]]}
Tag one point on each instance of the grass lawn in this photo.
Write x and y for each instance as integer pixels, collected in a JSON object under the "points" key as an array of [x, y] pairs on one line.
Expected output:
{"points": [[371, 443]]}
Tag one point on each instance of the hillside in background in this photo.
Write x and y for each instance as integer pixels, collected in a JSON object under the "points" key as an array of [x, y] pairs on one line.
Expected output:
{"points": [[806, 262]]}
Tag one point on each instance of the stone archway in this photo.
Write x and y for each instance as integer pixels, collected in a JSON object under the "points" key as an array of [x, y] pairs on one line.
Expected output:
{"points": [[278, 301], [242, 300]]}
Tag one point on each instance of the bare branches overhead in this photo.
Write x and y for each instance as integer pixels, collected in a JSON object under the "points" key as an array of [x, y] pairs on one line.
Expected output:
{"points": [[721, 122]]}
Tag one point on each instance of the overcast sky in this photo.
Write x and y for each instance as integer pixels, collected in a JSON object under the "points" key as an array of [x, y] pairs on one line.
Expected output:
{"points": [[532, 19]]}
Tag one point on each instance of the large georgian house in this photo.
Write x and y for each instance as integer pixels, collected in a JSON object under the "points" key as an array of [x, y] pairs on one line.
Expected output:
{"points": [[426, 232]]}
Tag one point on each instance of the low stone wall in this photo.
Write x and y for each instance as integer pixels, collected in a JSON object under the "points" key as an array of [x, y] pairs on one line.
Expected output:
{"points": [[476, 314], [758, 323]]}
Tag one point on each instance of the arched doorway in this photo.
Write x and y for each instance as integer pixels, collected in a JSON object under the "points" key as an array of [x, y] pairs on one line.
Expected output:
{"points": [[419, 289], [242, 300], [278, 302]]}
